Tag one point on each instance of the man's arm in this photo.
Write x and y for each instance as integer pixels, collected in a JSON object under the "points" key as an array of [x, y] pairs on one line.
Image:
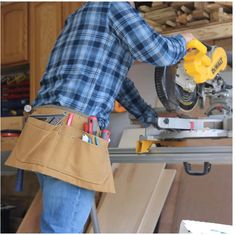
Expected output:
{"points": [[143, 42], [130, 98]]}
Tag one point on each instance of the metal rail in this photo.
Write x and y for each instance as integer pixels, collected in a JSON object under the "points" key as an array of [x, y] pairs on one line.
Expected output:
{"points": [[213, 154]]}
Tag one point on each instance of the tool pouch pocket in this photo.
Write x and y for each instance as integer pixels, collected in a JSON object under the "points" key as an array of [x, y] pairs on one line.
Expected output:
{"points": [[61, 149]]}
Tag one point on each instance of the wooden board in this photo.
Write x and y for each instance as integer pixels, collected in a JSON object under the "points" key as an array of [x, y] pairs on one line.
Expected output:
{"points": [[156, 202], [123, 211], [130, 137], [211, 31], [31, 221], [168, 211]]}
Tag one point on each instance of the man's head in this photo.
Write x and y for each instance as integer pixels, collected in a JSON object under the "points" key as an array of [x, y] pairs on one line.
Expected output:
{"points": [[138, 4]]}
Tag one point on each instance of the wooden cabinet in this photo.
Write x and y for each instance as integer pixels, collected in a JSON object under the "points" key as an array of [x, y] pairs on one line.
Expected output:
{"points": [[14, 33], [45, 26], [69, 8], [46, 22]]}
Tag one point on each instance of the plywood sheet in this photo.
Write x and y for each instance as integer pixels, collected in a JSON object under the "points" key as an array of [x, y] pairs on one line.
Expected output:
{"points": [[156, 203], [31, 221], [130, 137], [123, 211]]}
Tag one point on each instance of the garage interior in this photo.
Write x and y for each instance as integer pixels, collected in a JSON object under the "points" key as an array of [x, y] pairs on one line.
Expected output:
{"points": [[152, 195]]}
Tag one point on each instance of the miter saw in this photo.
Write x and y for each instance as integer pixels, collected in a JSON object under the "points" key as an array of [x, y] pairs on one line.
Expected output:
{"points": [[183, 86], [194, 81]]}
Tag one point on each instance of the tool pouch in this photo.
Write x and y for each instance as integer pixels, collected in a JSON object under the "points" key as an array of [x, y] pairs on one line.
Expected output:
{"points": [[60, 152]]}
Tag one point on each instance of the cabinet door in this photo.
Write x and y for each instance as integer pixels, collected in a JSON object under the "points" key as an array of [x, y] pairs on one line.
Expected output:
{"points": [[69, 8], [14, 33], [45, 26]]}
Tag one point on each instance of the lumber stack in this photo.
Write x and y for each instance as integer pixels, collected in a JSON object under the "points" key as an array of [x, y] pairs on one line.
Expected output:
{"points": [[165, 16]]}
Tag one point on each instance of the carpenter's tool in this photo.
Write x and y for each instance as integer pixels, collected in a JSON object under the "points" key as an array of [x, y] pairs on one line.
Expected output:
{"points": [[70, 119], [176, 129], [86, 127], [85, 137], [96, 140], [92, 125], [105, 134], [194, 78], [53, 119], [181, 87]]}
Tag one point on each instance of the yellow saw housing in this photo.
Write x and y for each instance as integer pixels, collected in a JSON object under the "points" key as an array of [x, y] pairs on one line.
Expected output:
{"points": [[201, 67]]}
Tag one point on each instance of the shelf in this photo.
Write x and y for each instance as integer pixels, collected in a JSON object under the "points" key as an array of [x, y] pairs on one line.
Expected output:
{"points": [[211, 31]]}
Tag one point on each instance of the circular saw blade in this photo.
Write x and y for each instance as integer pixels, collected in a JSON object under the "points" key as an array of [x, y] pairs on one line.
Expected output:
{"points": [[172, 95]]}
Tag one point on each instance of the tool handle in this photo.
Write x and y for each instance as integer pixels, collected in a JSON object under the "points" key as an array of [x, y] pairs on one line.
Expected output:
{"points": [[70, 119], [196, 44], [105, 134], [19, 180], [86, 127], [92, 125], [209, 47]]}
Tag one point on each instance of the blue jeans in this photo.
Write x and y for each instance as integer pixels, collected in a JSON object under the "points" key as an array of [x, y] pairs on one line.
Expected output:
{"points": [[65, 207]]}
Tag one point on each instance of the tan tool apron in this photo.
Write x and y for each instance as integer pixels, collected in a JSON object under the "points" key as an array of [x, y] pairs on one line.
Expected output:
{"points": [[59, 151]]}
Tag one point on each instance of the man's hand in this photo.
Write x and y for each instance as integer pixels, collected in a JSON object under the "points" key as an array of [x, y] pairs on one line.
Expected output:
{"points": [[150, 117], [188, 36]]}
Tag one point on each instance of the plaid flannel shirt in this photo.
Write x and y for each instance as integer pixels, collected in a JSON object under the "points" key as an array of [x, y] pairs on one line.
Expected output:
{"points": [[90, 60]]}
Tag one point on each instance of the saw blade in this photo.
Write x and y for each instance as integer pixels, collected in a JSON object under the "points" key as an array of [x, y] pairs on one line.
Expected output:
{"points": [[172, 95]]}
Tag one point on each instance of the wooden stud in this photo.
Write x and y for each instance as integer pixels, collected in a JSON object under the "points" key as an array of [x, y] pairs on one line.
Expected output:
{"points": [[182, 19], [198, 22], [210, 31], [185, 9], [200, 15], [171, 23]]}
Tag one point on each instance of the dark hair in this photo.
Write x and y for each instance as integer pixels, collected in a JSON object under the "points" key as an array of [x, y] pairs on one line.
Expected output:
{"points": [[138, 4]]}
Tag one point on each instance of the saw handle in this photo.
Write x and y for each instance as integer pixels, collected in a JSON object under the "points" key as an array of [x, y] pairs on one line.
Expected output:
{"points": [[196, 44], [209, 47], [198, 54]]}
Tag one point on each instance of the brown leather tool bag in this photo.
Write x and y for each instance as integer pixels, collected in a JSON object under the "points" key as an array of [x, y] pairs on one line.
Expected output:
{"points": [[60, 152]]}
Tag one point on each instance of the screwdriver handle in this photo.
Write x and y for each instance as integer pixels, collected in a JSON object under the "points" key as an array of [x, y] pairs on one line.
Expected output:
{"points": [[70, 119], [92, 125], [105, 134], [86, 127]]}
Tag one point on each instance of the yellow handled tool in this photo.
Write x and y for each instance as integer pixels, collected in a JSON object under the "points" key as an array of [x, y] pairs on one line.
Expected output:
{"points": [[199, 65]]}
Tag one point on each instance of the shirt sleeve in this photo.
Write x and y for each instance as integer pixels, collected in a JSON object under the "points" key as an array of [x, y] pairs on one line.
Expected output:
{"points": [[143, 42], [130, 98]]}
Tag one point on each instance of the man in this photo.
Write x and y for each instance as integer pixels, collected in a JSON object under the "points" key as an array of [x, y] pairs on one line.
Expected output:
{"points": [[86, 72]]}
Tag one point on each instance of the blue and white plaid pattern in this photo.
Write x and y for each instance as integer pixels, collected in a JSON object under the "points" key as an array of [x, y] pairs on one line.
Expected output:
{"points": [[90, 60]]}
